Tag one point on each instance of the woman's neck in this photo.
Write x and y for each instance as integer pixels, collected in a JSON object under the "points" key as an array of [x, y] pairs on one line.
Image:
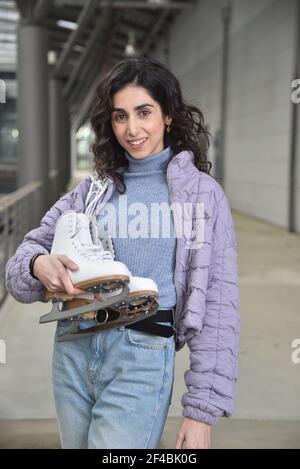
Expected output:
{"points": [[158, 161]]}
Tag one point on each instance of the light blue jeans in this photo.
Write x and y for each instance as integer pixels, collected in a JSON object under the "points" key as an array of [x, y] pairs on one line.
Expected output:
{"points": [[112, 390]]}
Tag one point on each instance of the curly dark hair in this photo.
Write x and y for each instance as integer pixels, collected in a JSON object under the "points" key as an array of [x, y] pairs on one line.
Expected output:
{"points": [[187, 130]]}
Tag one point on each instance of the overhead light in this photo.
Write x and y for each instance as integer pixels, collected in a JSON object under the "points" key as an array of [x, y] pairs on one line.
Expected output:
{"points": [[158, 2], [15, 133], [66, 24], [130, 49], [52, 57]]}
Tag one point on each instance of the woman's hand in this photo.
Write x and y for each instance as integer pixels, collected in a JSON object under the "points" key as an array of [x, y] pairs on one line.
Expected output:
{"points": [[50, 269], [195, 435]]}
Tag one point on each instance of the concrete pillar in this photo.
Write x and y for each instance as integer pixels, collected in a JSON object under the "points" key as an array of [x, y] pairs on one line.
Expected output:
{"points": [[33, 107], [66, 128], [59, 131], [73, 149]]}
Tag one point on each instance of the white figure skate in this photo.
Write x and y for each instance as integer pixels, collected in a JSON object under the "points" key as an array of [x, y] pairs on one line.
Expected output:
{"points": [[136, 301], [98, 273]]}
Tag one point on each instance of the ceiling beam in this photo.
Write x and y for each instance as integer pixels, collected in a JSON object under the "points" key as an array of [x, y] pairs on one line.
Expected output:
{"points": [[42, 9], [142, 4], [96, 67], [154, 31], [26, 9], [84, 17], [95, 38], [148, 6], [66, 14], [87, 52], [126, 24]]}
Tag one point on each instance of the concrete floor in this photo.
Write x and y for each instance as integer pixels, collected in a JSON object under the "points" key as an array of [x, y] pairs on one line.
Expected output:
{"points": [[226, 434], [267, 411]]}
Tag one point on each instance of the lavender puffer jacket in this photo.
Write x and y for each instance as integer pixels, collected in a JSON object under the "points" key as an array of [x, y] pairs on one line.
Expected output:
{"points": [[208, 301]]}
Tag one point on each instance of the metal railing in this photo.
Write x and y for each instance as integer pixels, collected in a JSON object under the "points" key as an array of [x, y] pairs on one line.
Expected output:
{"points": [[19, 213]]}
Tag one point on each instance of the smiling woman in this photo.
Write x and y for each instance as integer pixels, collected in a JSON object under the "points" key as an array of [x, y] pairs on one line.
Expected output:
{"points": [[113, 388]]}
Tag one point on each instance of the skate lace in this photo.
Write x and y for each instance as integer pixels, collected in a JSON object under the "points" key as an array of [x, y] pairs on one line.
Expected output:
{"points": [[95, 193], [92, 252]]}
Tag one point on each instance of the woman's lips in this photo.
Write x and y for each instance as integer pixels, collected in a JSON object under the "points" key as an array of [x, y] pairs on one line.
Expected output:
{"points": [[137, 143]]}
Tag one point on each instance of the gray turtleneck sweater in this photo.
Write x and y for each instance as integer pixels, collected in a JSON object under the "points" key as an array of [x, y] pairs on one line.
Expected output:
{"points": [[141, 228]]}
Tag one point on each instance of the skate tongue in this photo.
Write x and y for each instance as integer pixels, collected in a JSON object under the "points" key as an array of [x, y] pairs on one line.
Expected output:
{"points": [[83, 233], [84, 237]]}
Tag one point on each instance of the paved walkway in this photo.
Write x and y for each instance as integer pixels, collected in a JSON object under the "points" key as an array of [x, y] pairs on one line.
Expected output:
{"points": [[227, 434], [267, 409]]}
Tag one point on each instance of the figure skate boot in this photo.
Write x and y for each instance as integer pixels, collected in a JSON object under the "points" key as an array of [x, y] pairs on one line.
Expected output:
{"points": [[141, 302], [97, 273], [104, 309]]}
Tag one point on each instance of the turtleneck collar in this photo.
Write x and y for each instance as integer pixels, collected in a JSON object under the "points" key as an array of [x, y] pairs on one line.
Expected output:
{"points": [[156, 162]]}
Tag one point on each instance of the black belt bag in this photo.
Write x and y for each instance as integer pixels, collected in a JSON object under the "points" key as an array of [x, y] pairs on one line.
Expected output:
{"points": [[149, 325]]}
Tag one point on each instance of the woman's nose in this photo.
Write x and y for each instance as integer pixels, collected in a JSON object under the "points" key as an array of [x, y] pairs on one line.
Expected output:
{"points": [[132, 127]]}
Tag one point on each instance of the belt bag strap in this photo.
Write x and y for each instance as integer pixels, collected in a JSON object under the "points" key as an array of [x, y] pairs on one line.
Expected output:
{"points": [[153, 328], [148, 325]]}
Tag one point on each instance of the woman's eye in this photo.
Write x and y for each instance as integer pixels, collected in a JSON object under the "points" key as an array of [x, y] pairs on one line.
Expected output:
{"points": [[122, 117], [144, 113], [119, 117]]}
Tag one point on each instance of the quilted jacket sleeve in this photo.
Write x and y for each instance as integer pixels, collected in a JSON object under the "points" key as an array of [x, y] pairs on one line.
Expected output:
{"points": [[211, 379], [19, 283]]}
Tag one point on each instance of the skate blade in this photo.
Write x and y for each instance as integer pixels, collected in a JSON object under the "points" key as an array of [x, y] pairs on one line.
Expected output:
{"points": [[57, 314], [136, 303], [77, 333], [141, 295], [141, 301]]}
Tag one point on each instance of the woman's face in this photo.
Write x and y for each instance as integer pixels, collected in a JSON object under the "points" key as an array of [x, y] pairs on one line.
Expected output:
{"points": [[138, 122]]}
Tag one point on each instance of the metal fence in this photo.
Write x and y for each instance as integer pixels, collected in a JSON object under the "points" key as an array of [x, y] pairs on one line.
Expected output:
{"points": [[19, 213]]}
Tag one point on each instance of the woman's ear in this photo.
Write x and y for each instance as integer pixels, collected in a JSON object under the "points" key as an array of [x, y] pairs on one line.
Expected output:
{"points": [[168, 120]]}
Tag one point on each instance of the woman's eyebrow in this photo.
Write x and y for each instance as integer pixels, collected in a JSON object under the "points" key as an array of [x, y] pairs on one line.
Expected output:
{"points": [[137, 108]]}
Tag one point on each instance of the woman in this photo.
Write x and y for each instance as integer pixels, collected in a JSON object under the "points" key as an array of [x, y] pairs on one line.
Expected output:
{"points": [[114, 390]]}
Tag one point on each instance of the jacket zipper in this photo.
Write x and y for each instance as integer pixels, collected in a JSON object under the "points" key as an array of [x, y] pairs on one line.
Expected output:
{"points": [[174, 310]]}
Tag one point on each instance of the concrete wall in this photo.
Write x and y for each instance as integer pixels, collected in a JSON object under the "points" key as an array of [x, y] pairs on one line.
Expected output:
{"points": [[261, 54]]}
